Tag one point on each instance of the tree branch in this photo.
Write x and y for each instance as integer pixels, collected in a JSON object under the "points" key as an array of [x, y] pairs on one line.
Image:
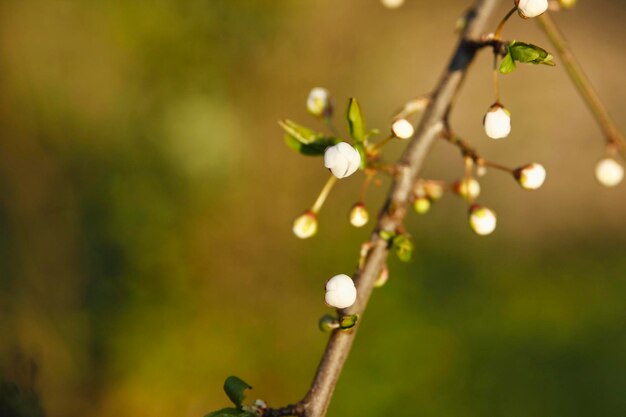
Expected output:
{"points": [[391, 217], [583, 85]]}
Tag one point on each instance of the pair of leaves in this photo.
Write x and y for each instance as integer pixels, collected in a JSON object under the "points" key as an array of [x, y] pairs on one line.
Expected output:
{"points": [[234, 388], [306, 141], [311, 143], [401, 244], [525, 53]]}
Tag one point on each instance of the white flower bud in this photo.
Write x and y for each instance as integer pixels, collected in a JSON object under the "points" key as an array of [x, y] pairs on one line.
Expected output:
{"points": [[531, 176], [359, 215], [392, 4], [482, 220], [421, 205], [305, 226], [468, 188], [340, 291], [342, 160], [402, 129], [319, 103], [497, 122], [531, 8], [609, 172]]}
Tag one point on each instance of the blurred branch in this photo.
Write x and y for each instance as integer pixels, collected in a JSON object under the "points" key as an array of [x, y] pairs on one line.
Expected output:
{"points": [[613, 136], [317, 400]]}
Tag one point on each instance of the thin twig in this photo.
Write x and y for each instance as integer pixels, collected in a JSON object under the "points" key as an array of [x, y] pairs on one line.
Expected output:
{"points": [[612, 134]]}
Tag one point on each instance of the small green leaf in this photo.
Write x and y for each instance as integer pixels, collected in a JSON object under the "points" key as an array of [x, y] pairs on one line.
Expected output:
{"points": [[300, 133], [234, 388], [348, 322], [327, 323], [356, 123], [528, 53], [316, 148], [231, 412], [507, 65], [403, 246], [306, 141]]}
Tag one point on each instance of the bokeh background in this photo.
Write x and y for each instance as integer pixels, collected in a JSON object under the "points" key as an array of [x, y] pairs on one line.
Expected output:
{"points": [[146, 200]]}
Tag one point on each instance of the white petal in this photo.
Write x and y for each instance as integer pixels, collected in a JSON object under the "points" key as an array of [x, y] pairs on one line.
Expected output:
{"points": [[330, 156], [532, 8]]}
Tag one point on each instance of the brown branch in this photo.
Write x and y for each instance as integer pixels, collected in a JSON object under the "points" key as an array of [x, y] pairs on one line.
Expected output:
{"points": [[613, 136], [317, 400]]}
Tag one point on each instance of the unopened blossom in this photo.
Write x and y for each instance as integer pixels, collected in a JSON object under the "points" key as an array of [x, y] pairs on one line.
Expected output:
{"points": [[319, 102], [359, 215], [468, 188], [497, 122], [340, 291], [342, 159], [609, 172], [305, 226], [482, 220], [402, 129], [422, 205], [392, 4], [531, 8], [531, 176]]}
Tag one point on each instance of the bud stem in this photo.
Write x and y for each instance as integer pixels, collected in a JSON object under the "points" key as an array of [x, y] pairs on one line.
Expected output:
{"points": [[374, 149], [369, 176], [497, 166], [328, 121], [324, 194], [498, 33]]}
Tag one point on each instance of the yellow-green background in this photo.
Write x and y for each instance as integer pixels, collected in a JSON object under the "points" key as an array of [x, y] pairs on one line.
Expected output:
{"points": [[146, 199]]}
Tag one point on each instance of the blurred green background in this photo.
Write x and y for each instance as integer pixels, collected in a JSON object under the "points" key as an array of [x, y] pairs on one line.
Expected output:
{"points": [[146, 200]]}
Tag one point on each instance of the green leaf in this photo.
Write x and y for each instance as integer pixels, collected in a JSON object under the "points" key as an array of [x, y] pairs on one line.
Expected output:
{"points": [[507, 65], [526, 53], [348, 322], [403, 246], [356, 123], [231, 412], [234, 388], [316, 148], [388, 236], [304, 140], [300, 133]]}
